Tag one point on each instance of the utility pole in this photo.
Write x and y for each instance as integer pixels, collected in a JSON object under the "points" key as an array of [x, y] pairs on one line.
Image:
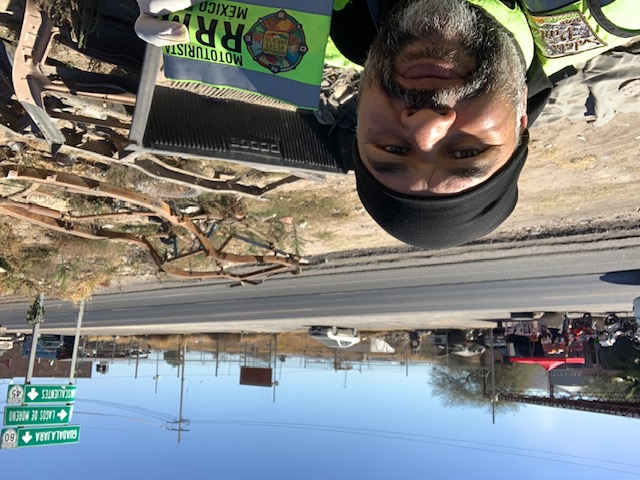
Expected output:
{"points": [[217, 354], [157, 367], [304, 343], [493, 379], [179, 353], [406, 361], [275, 366], [137, 359], [180, 420]]}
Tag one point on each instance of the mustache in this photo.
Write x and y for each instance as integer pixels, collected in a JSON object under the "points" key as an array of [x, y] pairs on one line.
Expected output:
{"points": [[434, 99]]}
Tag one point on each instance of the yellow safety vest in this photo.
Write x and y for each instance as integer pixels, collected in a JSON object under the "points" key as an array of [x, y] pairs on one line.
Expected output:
{"points": [[568, 35], [583, 30]]}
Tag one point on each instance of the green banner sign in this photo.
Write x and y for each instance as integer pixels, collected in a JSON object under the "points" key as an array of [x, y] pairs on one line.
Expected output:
{"points": [[25, 394], [256, 37], [16, 416], [39, 437]]}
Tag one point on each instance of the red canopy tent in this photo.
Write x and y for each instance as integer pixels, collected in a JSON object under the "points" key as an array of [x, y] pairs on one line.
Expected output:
{"points": [[547, 363]]}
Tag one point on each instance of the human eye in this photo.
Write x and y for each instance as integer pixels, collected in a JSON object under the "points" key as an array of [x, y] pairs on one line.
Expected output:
{"points": [[466, 153], [394, 149]]}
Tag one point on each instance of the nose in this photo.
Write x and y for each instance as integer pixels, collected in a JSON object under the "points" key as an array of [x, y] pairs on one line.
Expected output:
{"points": [[426, 126]]}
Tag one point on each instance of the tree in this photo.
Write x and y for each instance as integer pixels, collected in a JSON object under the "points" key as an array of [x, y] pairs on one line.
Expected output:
{"points": [[35, 314], [470, 386], [172, 357]]}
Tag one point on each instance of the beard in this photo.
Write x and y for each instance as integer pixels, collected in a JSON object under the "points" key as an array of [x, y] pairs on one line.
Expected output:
{"points": [[453, 31]]}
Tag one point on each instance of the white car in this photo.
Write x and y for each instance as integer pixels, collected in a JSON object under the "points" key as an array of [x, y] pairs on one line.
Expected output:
{"points": [[335, 337], [468, 352], [6, 343]]}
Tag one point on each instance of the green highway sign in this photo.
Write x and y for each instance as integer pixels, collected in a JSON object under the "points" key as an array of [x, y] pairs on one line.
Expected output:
{"points": [[39, 437], [24, 394], [16, 416]]}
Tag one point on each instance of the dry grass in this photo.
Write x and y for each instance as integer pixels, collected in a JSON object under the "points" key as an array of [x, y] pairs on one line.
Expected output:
{"points": [[83, 16], [59, 265], [288, 343]]}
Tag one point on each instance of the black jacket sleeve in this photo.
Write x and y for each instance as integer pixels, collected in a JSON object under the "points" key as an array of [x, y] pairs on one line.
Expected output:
{"points": [[353, 31]]}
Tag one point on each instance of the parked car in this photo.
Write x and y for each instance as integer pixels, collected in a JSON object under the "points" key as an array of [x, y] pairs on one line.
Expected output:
{"points": [[467, 351], [6, 343], [335, 337]]}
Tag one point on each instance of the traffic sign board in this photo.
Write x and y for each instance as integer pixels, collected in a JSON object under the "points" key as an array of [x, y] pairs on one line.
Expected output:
{"points": [[24, 394], [16, 416], [39, 437]]}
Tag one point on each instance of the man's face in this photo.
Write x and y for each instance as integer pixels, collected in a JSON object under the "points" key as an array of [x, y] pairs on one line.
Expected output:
{"points": [[441, 99]]}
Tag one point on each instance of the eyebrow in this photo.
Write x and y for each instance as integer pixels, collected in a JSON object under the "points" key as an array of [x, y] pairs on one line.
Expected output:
{"points": [[392, 168], [387, 167], [475, 172]]}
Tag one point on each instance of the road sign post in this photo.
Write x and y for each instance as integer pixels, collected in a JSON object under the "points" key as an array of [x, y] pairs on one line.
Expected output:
{"points": [[35, 316], [23, 416], [76, 344], [35, 394], [32, 353], [39, 437]]}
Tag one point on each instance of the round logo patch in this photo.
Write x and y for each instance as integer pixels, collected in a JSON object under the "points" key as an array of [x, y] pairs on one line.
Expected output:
{"points": [[277, 42]]}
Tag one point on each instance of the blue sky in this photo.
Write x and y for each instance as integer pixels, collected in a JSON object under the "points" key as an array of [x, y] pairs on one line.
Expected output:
{"points": [[378, 423]]}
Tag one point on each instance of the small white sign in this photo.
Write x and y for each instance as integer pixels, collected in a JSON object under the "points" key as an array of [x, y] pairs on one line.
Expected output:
{"points": [[15, 395], [9, 438]]}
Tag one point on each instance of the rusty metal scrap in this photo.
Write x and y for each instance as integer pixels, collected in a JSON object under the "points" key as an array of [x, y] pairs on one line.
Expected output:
{"points": [[157, 169], [87, 186], [174, 224]]}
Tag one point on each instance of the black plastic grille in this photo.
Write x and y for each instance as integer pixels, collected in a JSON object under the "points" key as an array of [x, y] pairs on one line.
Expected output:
{"points": [[182, 122]]}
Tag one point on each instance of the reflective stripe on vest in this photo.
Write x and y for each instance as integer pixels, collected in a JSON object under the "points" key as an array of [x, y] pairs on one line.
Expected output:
{"points": [[271, 47], [576, 33]]}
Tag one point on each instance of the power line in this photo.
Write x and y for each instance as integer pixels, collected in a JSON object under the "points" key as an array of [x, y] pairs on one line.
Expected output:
{"points": [[439, 441], [131, 408], [123, 417]]}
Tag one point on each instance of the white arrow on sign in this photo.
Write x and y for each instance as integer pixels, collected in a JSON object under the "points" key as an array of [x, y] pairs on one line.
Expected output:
{"points": [[26, 438], [32, 394], [62, 415]]}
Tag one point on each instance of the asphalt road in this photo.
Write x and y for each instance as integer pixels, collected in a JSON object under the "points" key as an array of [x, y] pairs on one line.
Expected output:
{"points": [[414, 288]]}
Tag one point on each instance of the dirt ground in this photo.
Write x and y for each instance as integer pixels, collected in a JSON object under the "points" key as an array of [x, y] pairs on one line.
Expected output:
{"points": [[577, 176]]}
